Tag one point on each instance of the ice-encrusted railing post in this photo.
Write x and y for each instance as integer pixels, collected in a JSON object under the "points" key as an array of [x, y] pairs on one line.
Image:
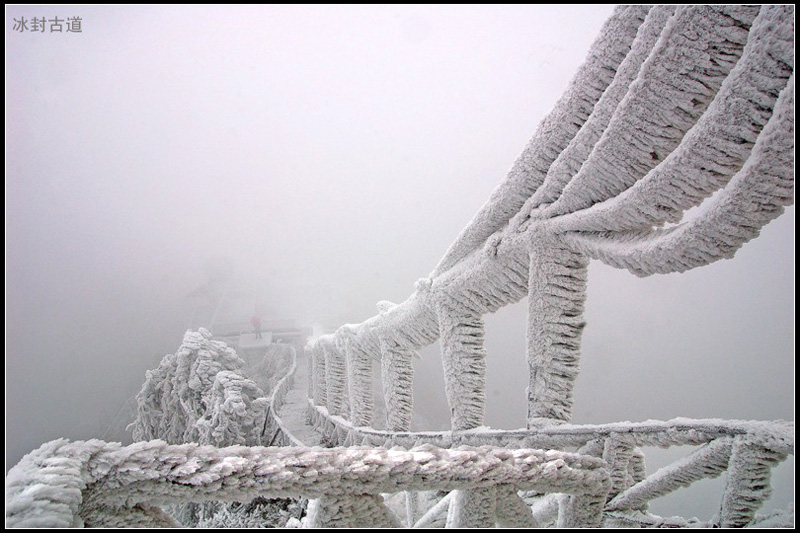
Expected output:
{"points": [[617, 453], [748, 487], [397, 380], [320, 381], [625, 464], [581, 511], [309, 360], [461, 333], [556, 295], [350, 511], [397, 377], [511, 510], [359, 379], [335, 376]]}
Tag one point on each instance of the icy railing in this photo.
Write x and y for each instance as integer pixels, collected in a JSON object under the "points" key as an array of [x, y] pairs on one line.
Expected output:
{"points": [[201, 394], [101, 484], [746, 450], [673, 105]]}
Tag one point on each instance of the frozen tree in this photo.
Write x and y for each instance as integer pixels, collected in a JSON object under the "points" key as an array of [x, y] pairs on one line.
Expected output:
{"points": [[200, 394]]}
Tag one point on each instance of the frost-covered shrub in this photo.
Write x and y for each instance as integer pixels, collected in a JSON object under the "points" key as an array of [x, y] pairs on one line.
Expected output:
{"points": [[200, 394]]}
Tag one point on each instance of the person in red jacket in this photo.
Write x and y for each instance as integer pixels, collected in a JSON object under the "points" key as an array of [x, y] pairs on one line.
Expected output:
{"points": [[256, 322]]}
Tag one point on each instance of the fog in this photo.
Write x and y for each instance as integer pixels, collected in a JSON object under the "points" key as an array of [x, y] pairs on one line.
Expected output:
{"points": [[325, 157]]}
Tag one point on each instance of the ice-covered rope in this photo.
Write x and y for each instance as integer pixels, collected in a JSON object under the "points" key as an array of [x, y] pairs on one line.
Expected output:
{"points": [[64, 483]]}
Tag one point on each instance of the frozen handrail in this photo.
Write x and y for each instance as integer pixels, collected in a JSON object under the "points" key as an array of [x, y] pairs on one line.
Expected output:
{"points": [[64, 484]]}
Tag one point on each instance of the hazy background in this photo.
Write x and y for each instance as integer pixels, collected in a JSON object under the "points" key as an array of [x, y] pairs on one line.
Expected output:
{"points": [[326, 156]]}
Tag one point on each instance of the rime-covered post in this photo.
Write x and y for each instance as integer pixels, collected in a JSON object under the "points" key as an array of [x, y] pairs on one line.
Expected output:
{"points": [[749, 471], [320, 382], [581, 511], [359, 381], [336, 377], [511, 510], [310, 362], [397, 376], [617, 453], [461, 333], [556, 295], [472, 508]]}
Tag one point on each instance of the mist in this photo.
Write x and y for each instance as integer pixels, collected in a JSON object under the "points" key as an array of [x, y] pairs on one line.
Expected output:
{"points": [[325, 157]]}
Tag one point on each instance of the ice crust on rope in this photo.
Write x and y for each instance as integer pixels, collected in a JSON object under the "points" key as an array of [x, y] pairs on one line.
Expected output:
{"points": [[716, 147], [62, 481], [694, 55], [756, 195], [553, 134], [199, 394], [572, 158]]}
